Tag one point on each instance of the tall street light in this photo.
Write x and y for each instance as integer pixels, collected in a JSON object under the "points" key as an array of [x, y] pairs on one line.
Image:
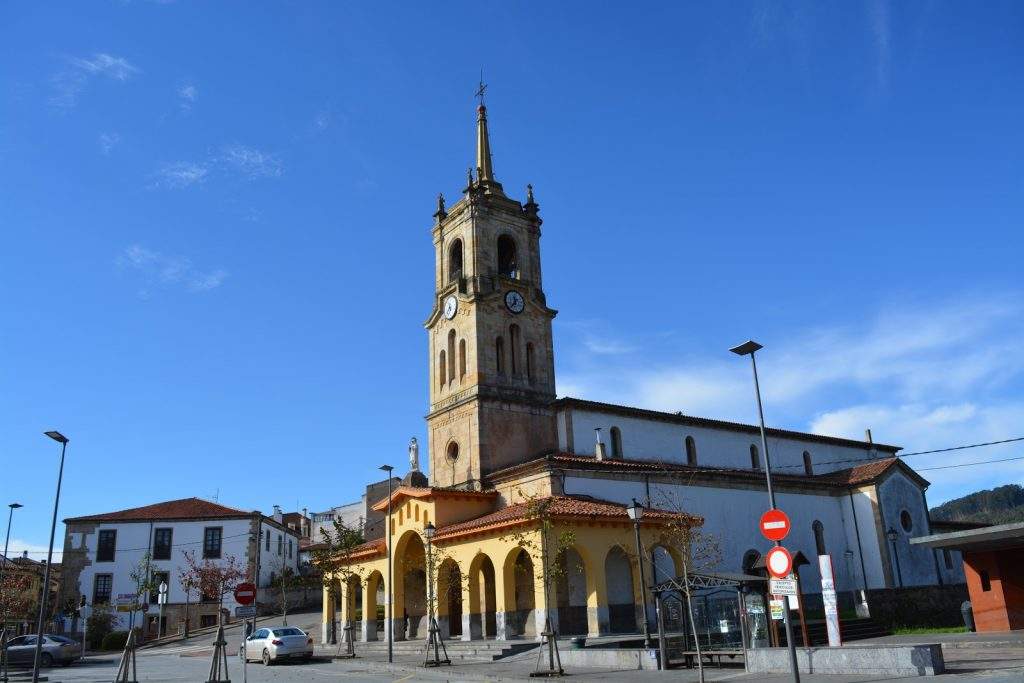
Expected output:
{"points": [[636, 512], [10, 516], [63, 441], [387, 533], [749, 348]]}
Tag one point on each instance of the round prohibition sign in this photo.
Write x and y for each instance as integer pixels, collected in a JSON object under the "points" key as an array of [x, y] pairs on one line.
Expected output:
{"points": [[245, 593], [774, 525], [779, 562]]}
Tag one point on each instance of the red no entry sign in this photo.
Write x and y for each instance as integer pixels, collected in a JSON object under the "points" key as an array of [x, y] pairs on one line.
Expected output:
{"points": [[245, 593], [774, 525], [779, 562]]}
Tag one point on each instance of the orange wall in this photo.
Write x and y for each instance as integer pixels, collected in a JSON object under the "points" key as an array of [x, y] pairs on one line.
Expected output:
{"points": [[1002, 607]]}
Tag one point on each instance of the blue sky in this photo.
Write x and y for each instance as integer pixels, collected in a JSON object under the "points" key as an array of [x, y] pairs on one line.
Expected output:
{"points": [[216, 227]]}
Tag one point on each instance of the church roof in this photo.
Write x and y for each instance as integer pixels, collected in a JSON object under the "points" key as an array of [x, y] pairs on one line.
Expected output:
{"points": [[679, 418], [853, 476], [403, 492], [561, 508]]}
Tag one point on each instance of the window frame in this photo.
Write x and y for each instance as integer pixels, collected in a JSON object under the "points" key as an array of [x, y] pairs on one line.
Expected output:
{"points": [[95, 588], [102, 550], [169, 545], [207, 552]]}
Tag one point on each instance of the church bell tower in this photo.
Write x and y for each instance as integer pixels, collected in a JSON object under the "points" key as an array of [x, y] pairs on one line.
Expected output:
{"points": [[492, 373]]}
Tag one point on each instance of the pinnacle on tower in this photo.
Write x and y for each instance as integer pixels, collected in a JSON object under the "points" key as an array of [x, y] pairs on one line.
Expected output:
{"points": [[484, 169]]}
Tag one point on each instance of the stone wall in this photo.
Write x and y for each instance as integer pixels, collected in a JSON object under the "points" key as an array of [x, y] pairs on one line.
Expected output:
{"points": [[918, 606]]}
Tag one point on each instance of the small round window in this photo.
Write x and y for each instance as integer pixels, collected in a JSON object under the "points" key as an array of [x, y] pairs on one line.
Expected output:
{"points": [[906, 522]]}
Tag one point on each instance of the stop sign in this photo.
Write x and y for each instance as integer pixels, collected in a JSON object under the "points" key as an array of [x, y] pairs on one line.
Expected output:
{"points": [[779, 562], [774, 525], [245, 593]]}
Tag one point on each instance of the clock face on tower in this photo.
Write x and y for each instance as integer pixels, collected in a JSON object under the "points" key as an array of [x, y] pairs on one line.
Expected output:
{"points": [[451, 305], [514, 301]]}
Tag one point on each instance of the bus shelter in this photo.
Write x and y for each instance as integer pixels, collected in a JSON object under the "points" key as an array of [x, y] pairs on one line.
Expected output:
{"points": [[729, 616]]}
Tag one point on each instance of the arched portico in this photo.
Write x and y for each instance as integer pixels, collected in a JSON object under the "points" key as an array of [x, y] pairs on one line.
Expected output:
{"points": [[480, 619], [571, 592], [621, 595], [409, 615], [372, 596], [449, 598]]}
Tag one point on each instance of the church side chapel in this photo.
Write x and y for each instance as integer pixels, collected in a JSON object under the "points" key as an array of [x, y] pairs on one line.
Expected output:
{"points": [[526, 515]]}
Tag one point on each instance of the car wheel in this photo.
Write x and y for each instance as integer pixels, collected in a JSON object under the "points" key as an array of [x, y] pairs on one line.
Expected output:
{"points": [[46, 659], [266, 658]]}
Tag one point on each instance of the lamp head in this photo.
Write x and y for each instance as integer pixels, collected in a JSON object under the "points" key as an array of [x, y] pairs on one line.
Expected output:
{"points": [[15, 506], [635, 511], [429, 530], [56, 436], [386, 468], [746, 348], [891, 533]]}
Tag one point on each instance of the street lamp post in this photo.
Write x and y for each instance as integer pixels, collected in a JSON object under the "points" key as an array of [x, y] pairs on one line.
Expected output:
{"points": [[63, 441], [387, 532], [10, 517], [892, 534], [749, 348], [636, 512]]}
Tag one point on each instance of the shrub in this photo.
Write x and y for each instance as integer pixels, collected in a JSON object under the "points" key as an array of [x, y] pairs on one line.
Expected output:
{"points": [[115, 640], [98, 625]]}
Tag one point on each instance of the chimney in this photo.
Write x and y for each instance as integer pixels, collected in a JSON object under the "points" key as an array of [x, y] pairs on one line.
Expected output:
{"points": [[24, 554], [277, 516], [599, 452]]}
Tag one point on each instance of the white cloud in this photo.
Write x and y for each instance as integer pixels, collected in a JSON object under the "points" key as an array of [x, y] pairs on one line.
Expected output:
{"points": [[250, 161], [108, 141], [167, 270], [922, 377], [188, 94], [179, 174], [71, 81]]}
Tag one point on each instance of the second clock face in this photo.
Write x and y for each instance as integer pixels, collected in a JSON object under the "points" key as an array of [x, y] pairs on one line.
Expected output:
{"points": [[451, 305], [514, 301]]}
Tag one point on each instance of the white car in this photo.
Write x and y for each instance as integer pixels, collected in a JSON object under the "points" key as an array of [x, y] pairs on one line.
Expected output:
{"points": [[269, 645]]}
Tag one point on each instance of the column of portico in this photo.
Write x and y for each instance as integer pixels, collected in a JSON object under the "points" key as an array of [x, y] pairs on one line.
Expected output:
{"points": [[369, 623], [327, 616]]}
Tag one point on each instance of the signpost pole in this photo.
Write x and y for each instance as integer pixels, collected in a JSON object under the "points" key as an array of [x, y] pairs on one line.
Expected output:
{"points": [[750, 348]]}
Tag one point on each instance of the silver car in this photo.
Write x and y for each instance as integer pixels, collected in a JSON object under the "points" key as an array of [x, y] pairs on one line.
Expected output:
{"points": [[273, 644], [55, 650]]}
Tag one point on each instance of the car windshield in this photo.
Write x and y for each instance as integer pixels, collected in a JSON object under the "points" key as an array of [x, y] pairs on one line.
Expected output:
{"points": [[288, 632], [60, 639]]}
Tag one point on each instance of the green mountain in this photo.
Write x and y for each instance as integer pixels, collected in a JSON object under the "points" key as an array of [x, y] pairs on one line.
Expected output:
{"points": [[1001, 505]]}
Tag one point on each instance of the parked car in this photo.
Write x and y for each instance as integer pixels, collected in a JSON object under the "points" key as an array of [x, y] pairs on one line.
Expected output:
{"points": [[271, 644], [55, 650]]}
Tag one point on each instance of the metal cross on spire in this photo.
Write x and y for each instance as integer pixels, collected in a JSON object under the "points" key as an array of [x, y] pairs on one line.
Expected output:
{"points": [[481, 89]]}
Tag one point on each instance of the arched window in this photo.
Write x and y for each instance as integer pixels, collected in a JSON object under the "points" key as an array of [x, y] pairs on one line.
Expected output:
{"points": [[529, 361], [616, 442], [462, 359], [499, 354], [451, 355], [513, 339], [442, 370], [452, 453], [508, 264], [755, 459], [691, 451], [808, 465], [819, 537], [455, 261], [750, 558]]}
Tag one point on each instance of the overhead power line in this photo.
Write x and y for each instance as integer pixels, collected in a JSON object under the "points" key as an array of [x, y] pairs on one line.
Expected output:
{"points": [[968, 464]]}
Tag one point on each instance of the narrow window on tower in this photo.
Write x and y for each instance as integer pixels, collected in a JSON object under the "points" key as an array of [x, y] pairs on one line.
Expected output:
{"points": [[529, 361], [499, 351], [691, 451], [442, 370], [451, 355], [462, 359], [455, 261], [513, 336], [507, 263]]}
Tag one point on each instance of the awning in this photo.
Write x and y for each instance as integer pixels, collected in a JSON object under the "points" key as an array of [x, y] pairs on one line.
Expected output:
{"points": [[708, 580], [1000, 537]]}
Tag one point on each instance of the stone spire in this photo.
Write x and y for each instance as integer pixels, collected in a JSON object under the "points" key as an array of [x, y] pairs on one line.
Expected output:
{"points": [[484, 168]]}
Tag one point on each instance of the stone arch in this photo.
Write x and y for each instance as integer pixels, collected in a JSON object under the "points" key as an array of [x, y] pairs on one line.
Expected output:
{"points": [[371, 614], [572, 588], [410, 587], [480, 620], [618, 575], [508, 262], [521, 584], [455, 260], [449, 597]]}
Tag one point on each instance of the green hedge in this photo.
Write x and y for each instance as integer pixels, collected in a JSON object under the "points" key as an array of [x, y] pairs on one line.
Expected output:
{"points": [[116, 640]]}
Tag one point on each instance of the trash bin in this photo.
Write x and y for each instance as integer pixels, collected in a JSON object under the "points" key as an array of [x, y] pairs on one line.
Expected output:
{"points": [[968, 614]]}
